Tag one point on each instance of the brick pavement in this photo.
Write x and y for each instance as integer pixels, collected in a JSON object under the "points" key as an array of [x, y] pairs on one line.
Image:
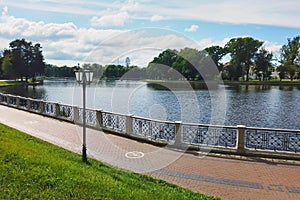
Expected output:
{"points": [[229, 178]]}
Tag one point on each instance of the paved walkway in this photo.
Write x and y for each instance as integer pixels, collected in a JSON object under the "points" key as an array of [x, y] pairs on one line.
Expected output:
{"points": [[225, 177]]}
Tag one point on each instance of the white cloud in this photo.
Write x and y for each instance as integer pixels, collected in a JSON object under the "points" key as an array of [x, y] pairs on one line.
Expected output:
{"points": [[4, 43], [59, 41], [282, 13], [20, 27], [155, 18], [223, 42], [5, 10], [272, 47], [275, 49], [141, 45], [117, 19], [116, 15], [193, 28], [207, 42], [129, 5], [66, 43]]}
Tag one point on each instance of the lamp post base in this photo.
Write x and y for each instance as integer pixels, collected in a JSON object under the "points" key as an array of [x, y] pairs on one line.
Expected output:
{"points": [[84, 158]]}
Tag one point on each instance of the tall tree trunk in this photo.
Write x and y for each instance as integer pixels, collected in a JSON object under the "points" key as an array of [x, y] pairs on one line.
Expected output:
{"points": [[247, 73]]}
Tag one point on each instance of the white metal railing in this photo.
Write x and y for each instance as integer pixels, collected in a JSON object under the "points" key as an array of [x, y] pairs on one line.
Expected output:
{"points": [[210, 135], [113, 121], [153, 129], [241, 139], [272, 139]]}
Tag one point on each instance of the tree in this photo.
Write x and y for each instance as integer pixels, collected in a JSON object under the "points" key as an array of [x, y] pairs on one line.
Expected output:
{"points": [[243, 52], [155, 69], [18, 48], [7, 67], [263, 63], [290, 52], [114, 71], [37, 65], [195, 65], [127, 61], [63, 71], [25, 58], [288, 71], [97, 69], [290, 58], [187, 62], [232, 71], [216, 53]]}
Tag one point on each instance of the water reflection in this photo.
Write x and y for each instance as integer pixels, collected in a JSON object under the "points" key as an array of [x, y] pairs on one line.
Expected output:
{"points": [[286, 88], [35, 92], [183, 85], [250, 105]]}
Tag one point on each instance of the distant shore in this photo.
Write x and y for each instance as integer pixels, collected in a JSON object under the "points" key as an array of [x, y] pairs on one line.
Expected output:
{"points": [[6, 83], [274, 83], [225, 82]]}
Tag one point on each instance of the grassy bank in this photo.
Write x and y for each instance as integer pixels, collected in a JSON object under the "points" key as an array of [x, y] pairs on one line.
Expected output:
{"points": [[196, 84], [4, 83], [33, 169], [284, 82]]}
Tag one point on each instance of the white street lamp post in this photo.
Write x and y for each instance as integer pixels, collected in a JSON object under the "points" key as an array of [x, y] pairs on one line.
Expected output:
{"points": [[84, 77]]}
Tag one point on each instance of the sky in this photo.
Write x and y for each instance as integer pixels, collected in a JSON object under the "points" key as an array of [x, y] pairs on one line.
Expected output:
{"points": [[108, 31]]}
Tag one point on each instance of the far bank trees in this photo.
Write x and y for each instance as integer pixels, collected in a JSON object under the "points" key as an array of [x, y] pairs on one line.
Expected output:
{"points": [[243, 52], [186, 64], [246, 55], [23, 60], [290, 59]]}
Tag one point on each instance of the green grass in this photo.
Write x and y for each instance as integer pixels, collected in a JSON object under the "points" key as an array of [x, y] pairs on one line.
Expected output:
{"points": [[284, 82], [33, 169], [3, 82], [8, 82]]}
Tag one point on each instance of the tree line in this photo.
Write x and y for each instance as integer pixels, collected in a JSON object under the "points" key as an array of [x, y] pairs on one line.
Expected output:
{"points": [[110, 71], [248, 59]]}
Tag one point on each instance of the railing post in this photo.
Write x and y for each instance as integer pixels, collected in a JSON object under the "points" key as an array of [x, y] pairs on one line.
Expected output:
{"points": [[18, 101], [178, 138], [57, 114], [28, 104], [98, 118], [8, 100], [129, 124], [241, 139], [76, 114], [41, 106]]}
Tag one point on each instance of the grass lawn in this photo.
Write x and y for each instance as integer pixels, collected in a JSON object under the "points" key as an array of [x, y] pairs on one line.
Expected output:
{"points": [[33, 169], [7, 82]]}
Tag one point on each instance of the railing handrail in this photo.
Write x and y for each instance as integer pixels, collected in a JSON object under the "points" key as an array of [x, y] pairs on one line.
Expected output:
{"points": [[272, 129], [115, 113], [208, 125], [154, 120], [62, 104]]}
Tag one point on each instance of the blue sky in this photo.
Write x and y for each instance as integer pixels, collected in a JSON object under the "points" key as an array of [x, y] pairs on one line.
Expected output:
{"points": [[73, 31]]}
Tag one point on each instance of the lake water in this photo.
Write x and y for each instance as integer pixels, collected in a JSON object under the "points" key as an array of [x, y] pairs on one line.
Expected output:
{"points": [[255, 106]]}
